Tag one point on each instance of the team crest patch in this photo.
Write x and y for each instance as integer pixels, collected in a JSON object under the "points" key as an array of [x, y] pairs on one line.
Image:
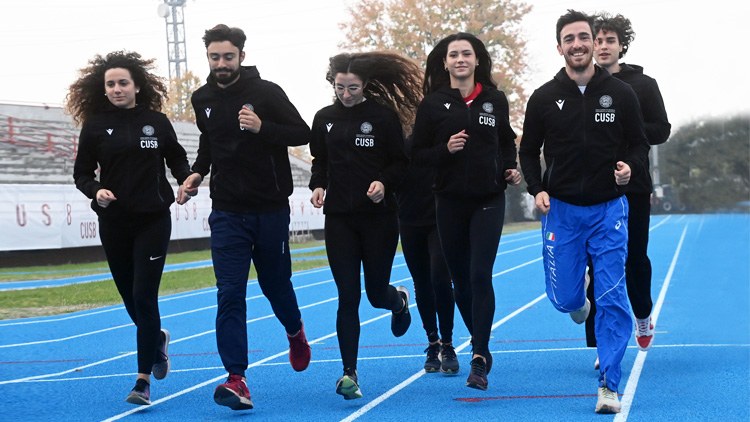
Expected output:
{"points": [[605, 101], [550, 236], [487, 107], [148, 130], [366, 127]]}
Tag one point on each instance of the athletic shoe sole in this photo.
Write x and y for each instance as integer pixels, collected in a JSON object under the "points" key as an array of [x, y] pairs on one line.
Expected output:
{"points": [[135, 398], [348, 388], [228, 398], [449, 372], [476, 385], [431, 369]]}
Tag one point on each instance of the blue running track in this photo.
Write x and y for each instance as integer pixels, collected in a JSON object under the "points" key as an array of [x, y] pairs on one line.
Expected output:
{"points": [[80, 366]]}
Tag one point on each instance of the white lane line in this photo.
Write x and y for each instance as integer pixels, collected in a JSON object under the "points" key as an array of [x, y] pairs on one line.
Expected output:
{"points": [[170, 298], [163, 317], [224, 375], [419, 356], [383, 397], [249, 321], [417, 375], [640, 359]]}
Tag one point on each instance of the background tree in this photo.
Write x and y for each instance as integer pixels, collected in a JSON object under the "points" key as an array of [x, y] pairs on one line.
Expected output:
{"points": [[707, 163], [178, 107], [413, 27]]}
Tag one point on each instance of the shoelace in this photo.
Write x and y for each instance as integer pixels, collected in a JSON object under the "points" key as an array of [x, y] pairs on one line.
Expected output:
{"points": [[432, 351], [478, 366], [644, 326], [608, 394], [449, 352]]}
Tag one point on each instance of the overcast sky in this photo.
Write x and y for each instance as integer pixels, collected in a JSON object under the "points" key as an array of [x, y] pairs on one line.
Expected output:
{"points": [[695, 50]]}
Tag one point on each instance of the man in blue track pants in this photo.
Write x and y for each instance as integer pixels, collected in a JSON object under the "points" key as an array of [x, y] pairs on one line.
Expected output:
{"points": [[590, 126]]}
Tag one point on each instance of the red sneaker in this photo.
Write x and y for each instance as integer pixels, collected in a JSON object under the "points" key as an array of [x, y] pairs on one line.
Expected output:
{"points": [[234, 393], [644, 333], [299, 350]]}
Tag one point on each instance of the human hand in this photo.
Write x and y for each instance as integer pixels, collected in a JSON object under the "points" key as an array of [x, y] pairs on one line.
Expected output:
{"points": [[622, 173], [249, 120], [189, 188], [541, 201], [376, 192], [512, 176], [318, 197], [457, 142], [104, 197]]}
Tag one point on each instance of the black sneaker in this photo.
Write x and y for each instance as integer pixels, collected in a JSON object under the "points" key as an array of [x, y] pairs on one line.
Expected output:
{"points": [[401, 320], [478, 375], [432, 364], [448, 360], [160, 369], [140, 394], [347, 385]]}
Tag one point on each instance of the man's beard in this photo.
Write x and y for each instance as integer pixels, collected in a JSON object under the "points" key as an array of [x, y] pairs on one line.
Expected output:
{"points": [[225, 79], [578, 68]]}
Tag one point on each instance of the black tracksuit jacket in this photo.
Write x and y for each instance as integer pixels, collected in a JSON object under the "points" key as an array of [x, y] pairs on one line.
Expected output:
{"points": [[131, 147], [249, 172], [583, 135], [477, 170], [655, 120], [353, 147]]}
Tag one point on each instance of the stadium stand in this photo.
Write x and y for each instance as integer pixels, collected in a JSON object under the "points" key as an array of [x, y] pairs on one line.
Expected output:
{"points": [[38, 145]]}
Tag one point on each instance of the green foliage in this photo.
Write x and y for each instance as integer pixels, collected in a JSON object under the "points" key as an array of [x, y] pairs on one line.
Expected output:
{"points": [[708, 163], [178, 107]]}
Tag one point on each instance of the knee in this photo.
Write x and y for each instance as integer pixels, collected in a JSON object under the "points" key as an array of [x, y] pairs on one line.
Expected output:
{"points": [[379, 299], [566, 303]]}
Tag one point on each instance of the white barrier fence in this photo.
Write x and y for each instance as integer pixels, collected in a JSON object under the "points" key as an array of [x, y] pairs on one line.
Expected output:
{"points": [[59, 216]]}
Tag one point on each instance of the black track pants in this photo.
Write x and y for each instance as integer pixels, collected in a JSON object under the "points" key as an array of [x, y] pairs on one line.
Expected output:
{"points": [[355, 241], [433, 290], [136, 249]]}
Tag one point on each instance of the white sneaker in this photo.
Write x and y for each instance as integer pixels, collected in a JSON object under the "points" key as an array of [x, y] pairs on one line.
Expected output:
{"points": [[607, 401], [644, 333], [579, 316]]}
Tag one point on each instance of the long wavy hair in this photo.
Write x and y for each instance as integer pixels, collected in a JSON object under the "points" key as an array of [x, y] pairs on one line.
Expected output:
{"points": [[86, 95], [437, 77], [390, 79]]}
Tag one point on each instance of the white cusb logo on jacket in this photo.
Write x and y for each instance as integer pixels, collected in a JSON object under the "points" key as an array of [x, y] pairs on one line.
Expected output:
{"points": [[605, 114], [149, 141]]}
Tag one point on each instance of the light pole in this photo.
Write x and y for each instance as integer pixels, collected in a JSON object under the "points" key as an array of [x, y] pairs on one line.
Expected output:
{"points": [[173, 13]]}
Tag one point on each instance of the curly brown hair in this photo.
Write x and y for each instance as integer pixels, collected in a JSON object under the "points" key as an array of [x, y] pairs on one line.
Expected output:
{"points": [[618, 24], [391, 80], [86, 95]]}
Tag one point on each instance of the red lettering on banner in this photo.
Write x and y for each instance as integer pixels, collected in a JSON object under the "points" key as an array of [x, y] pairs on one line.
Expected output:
{"points": [[88, 230], [45, 212], [21, 215]]}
